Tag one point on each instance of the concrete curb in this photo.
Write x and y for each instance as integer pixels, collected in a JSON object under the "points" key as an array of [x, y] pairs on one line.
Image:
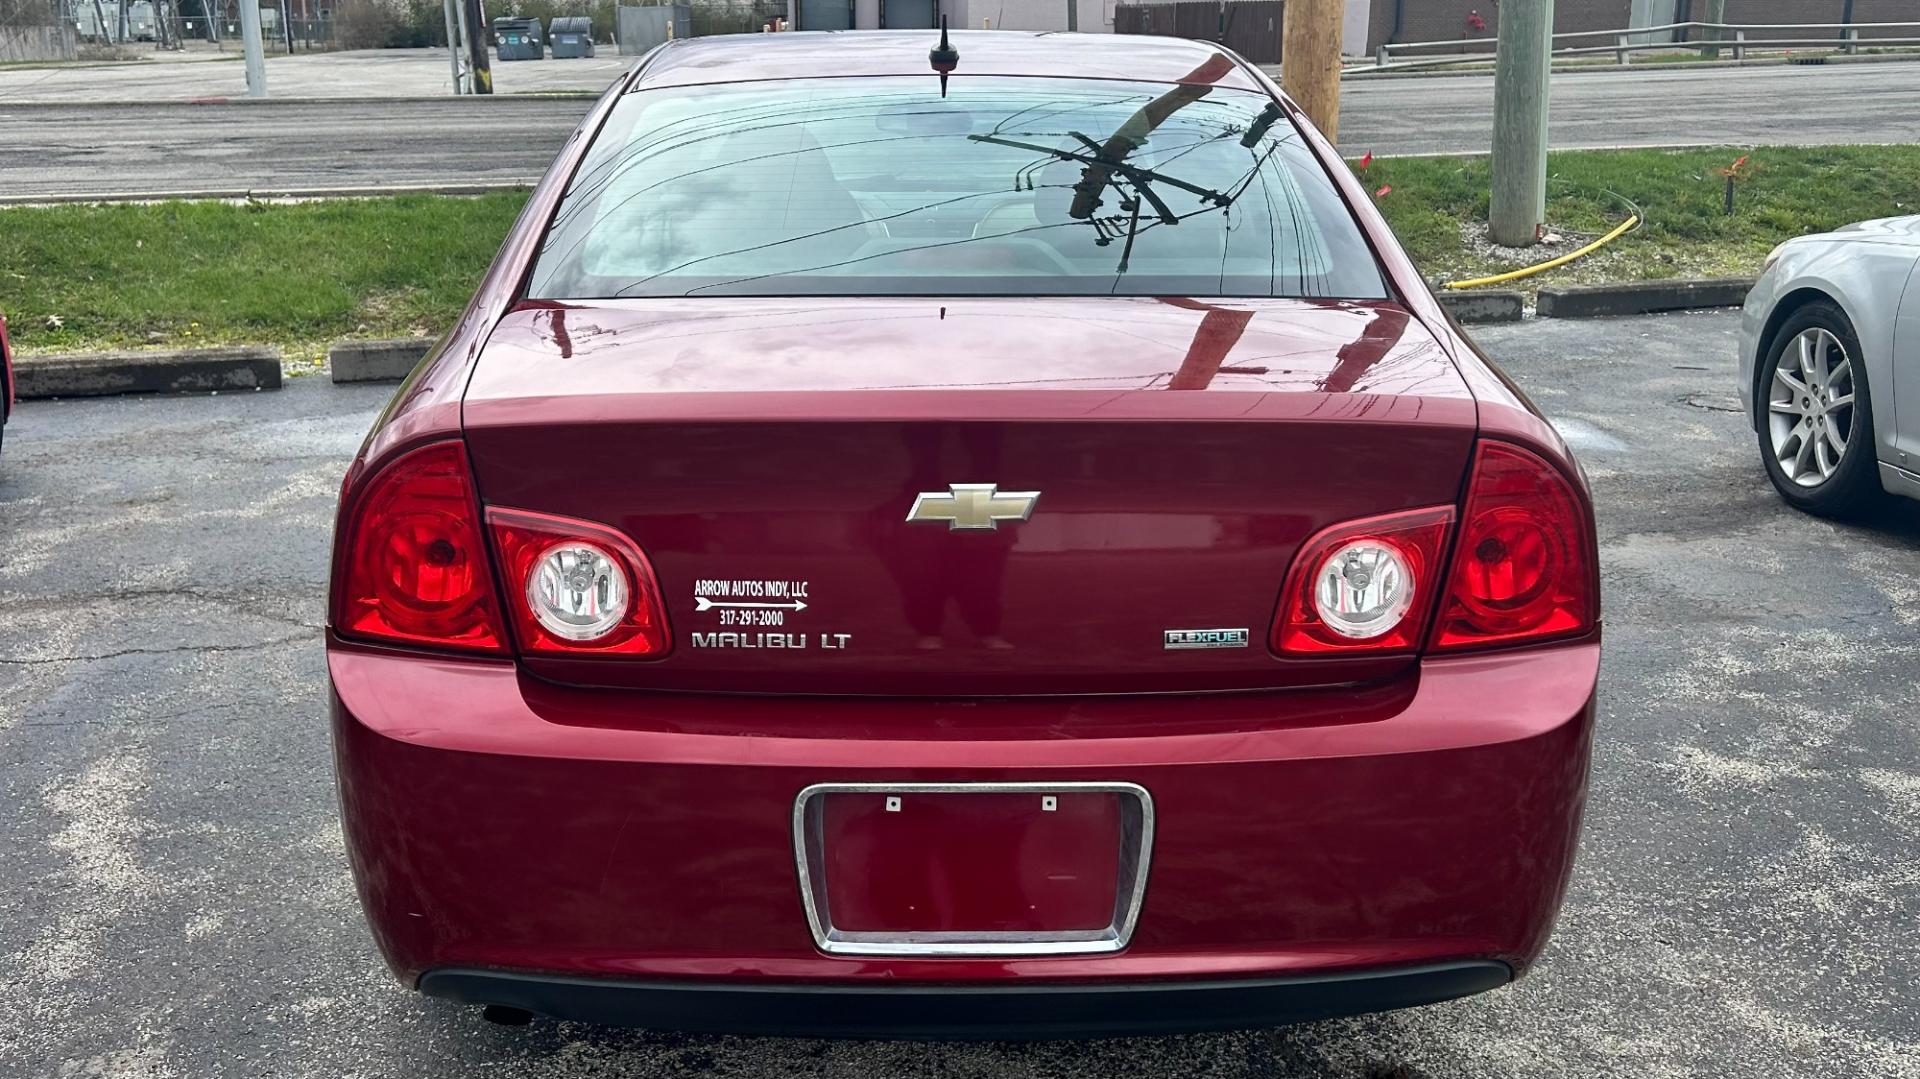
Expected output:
{"points": [[196, 370], [1641, 297], [1490, 305], [376, 361]]}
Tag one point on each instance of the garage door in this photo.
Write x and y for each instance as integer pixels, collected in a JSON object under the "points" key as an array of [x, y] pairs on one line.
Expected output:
{"points": [[826, 14], [908, 14]]}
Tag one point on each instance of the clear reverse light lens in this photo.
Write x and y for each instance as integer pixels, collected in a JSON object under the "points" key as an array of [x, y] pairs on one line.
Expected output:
{"points": [[1363, 589], [577, 591]]}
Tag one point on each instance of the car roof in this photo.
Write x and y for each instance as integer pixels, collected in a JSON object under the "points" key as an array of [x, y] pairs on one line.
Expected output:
{"points": [[823, 54]]}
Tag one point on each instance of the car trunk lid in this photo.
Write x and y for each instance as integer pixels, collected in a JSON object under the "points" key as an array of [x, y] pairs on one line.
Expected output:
{"points": [[766, 454]]}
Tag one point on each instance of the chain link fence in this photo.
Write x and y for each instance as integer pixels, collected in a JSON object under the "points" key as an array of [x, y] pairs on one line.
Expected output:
{"points": [[35, 30], [735, 16]]}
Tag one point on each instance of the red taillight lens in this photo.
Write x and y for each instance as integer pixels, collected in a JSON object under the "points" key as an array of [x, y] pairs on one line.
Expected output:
{"points": [[1363, 586], [415, 569], [1523, 568], [578, 588]]}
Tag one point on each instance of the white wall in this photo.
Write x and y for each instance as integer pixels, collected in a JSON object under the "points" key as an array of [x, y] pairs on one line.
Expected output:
{"points": [[1353, 33], [1652, 13], [1096, 16]]}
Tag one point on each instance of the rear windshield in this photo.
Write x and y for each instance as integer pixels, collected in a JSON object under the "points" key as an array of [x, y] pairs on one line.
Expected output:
{"points": [[1007, 186]]}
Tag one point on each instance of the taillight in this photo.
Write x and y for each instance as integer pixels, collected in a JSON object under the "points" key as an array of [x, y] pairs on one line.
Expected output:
{"points": [[415, 568], [578, 588], [1522, 568], [1363, 586]]}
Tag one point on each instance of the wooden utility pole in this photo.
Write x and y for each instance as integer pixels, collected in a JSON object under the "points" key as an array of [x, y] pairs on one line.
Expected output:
{"points": [[1520, 77], [1310, 60], [479, 68]]}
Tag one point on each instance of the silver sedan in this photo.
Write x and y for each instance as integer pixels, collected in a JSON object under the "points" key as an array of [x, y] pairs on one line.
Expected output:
{"points": [[1830, 366]]}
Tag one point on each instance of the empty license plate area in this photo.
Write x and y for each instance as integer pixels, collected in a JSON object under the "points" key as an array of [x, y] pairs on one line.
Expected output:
{"points": [[972, 869]]}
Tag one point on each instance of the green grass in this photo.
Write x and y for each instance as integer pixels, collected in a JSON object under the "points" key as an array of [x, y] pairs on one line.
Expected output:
{"points": [[299, 275], [1759, 52], [1783, 192]]}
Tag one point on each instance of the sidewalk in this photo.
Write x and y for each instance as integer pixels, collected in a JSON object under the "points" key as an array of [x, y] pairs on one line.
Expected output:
{"points": [[197, 74]]}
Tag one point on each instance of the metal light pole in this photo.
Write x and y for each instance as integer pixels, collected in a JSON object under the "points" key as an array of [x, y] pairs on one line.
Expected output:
{"points": [[1310, 60], [453, 41], [1716, 13], [255, 50], [1520, 122]]}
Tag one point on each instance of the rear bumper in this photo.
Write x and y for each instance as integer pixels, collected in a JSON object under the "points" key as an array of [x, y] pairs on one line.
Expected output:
{"points": [[502, 829], [951, 1012]]}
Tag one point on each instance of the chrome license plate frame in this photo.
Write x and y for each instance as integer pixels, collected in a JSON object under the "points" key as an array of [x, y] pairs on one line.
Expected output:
{"points": [[1136, 854]]}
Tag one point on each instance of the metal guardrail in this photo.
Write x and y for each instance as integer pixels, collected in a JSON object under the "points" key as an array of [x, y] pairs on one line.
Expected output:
{"points": [[1725, 36]]}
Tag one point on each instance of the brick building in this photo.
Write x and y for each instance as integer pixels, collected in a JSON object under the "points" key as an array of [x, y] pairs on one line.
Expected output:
{"points": [[1369, 24], [1372, 23]]}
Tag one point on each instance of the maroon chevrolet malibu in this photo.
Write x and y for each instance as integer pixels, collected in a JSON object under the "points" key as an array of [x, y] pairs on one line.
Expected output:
{"points": [[971, 538]]}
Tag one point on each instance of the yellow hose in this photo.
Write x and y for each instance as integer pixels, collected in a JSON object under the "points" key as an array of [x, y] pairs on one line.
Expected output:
{"points": [[1545, 266]]}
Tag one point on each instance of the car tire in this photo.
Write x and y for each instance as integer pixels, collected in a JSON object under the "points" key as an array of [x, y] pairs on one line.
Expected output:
{"points": [[1852, 486]]}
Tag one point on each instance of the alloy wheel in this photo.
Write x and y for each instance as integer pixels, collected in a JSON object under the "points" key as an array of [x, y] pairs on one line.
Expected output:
{"points": [[1810, 407]]}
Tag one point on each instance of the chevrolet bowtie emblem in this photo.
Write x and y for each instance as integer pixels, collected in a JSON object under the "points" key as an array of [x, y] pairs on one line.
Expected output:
{"points": [[973, 505]]}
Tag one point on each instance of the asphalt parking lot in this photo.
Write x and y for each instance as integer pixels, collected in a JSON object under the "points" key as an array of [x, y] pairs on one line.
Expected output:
{"points": [[177, 902]]}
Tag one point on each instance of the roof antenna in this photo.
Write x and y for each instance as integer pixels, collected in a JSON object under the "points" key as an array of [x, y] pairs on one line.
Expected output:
{"points": [[944, 57]]}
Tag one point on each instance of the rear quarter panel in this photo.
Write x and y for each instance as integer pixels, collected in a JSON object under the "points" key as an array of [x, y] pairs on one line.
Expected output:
{"points": [[427, 405], [1403, 275], [1505, 411]]}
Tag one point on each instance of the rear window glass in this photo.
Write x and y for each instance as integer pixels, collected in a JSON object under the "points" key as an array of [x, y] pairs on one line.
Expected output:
{"points": [[1007, 186]]}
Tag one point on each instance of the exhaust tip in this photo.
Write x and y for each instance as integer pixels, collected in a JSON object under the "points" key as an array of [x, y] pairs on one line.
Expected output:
{"points": [[505, 1016]]}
